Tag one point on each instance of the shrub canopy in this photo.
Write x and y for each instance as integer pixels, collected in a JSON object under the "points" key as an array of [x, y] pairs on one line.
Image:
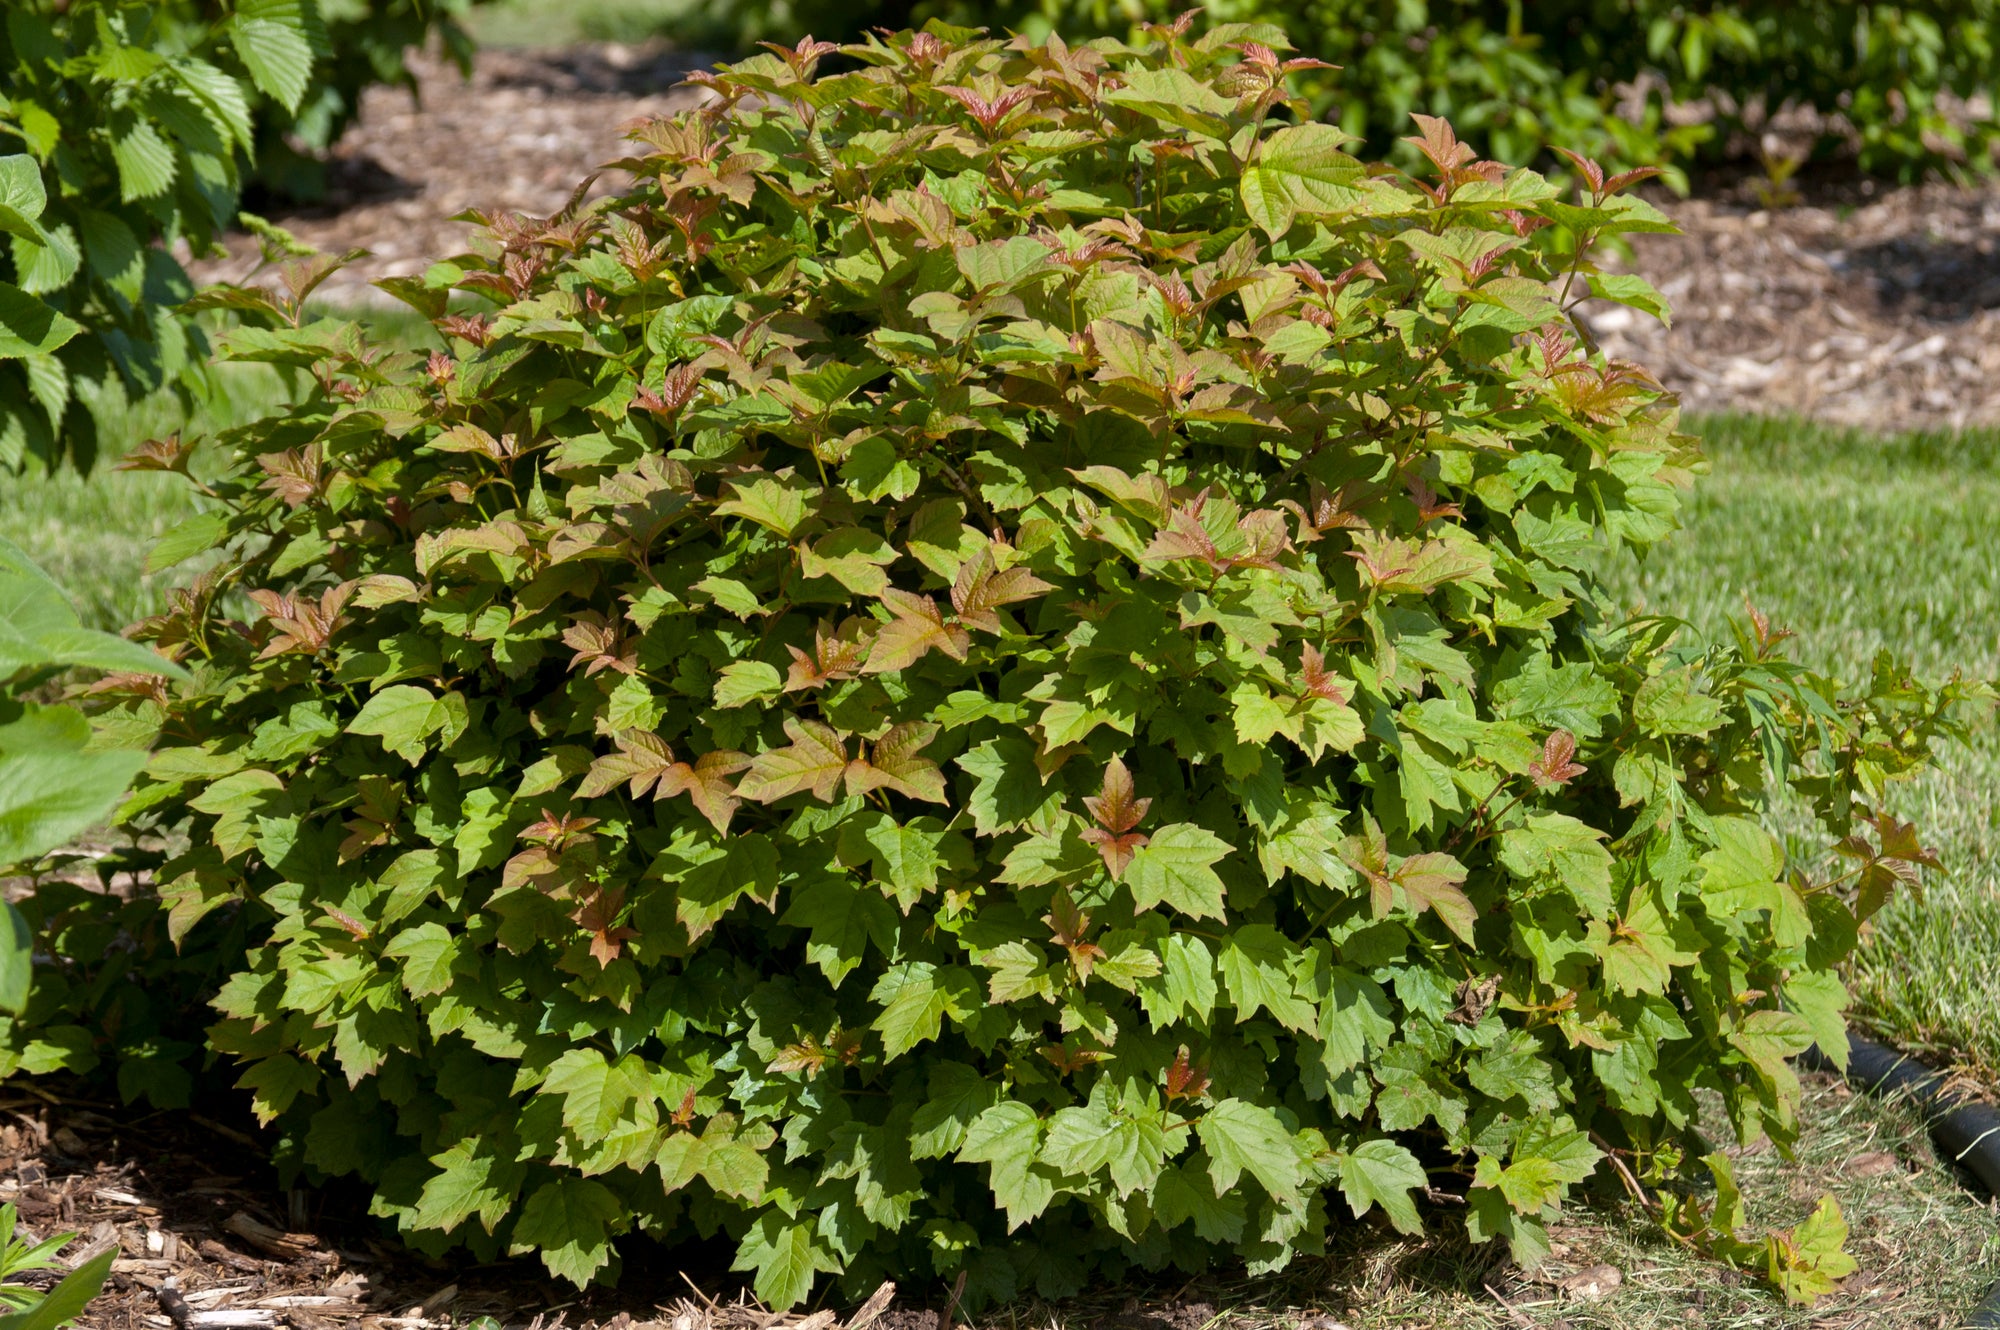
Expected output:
{"points": [[994, 668], [1906, 88]]}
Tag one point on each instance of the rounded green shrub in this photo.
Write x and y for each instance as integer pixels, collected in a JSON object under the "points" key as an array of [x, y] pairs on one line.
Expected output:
{"points": [[994, 669]]}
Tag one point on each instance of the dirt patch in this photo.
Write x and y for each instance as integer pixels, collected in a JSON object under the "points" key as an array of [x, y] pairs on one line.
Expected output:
{"points": [[207, 1240]]}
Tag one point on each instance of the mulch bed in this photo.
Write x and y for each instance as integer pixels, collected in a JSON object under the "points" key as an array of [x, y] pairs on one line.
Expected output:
{"points": [[207, 1240], [519, 136], [1862, 305]]}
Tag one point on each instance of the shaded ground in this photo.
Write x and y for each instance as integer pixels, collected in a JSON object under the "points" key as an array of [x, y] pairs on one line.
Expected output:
{"points": [[194, 1213]]}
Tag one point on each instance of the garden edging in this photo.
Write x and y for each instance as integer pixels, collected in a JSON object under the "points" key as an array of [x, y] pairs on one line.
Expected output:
{"points": [[1965, 1131]]}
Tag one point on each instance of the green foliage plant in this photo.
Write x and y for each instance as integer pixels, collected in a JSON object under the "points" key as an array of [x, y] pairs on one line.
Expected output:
{"points": [[31, 1308], [55, 783], [1896, 85], [131, 128], [35, 1309], [993, 670]]}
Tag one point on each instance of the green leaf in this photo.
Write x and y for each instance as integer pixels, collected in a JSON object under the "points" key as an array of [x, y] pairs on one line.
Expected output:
{"points": [[427, 952], [1300, 169], [746, 866], [1242, 1137], [1185, 984], [146, 163], [780, 503], [1632, 290], [1559, 852], [196, 535], [1813, 1259], [474, 1181], [742, 682], [916, 997], [1257, 965], [1640, 953], [1546, 1161], [22, 197], [568, 1222], [405, 717], [1176, 866], [958, 1095], [842, 919], [1007, 789], [39, 629], [274, 47], [1381, 1172], [1175, 97], [596, 1093], [1008, 1136], [30, 328], [17, 960], [787, 1257], [66, 1301], [50, 797], [1002, 264], [1186, 1194]]}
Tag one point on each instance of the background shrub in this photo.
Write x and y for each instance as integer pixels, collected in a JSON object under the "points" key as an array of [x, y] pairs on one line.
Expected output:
{"points": [[1518, 79], [993, 670], [133, 127], [55, 785]]}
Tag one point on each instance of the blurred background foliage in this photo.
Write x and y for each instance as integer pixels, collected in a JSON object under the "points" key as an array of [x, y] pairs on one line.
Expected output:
{"points": [[129, 133]]}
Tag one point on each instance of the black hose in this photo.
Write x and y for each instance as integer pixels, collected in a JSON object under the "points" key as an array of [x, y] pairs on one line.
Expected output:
{"points": [[1965, 1131]]}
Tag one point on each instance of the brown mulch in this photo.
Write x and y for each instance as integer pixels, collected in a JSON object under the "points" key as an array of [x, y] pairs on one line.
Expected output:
{"points": [[1863, 305], [519, 136], [206, 1240]]}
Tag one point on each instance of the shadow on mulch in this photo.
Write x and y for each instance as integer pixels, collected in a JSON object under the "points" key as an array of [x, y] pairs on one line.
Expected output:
{"points": [[193, 1208]]}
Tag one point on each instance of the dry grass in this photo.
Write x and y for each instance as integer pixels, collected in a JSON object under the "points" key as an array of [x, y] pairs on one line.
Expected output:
{"points": [[1928, 1250]]}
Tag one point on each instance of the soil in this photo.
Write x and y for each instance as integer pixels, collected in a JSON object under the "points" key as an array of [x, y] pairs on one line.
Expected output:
{"points": [[208, 1240]]}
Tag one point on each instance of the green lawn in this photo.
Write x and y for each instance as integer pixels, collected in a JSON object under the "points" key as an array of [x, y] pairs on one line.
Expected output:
{"points": [[545, 23], [1860, 544]]}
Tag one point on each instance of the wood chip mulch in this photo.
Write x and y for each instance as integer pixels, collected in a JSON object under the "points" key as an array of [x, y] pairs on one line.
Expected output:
{"points": [[205, 1240], [519, 136], [1863, 306]]}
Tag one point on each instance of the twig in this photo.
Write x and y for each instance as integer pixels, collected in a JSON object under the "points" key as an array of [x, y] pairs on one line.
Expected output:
{"points": [[1514, 1313], [1626, 1175], [951, 1303], [173, 1304], [697, 1289], [229, 1133]]}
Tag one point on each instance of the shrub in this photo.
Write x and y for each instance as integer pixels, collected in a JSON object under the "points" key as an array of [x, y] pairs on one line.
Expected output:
{"points": [[993, 670], [138, 121], [1518, 80]]}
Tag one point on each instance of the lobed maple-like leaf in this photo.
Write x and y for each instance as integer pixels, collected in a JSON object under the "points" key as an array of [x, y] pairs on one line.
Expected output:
{"points": [[979, 590], [918, 628], [1117, 811]]}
